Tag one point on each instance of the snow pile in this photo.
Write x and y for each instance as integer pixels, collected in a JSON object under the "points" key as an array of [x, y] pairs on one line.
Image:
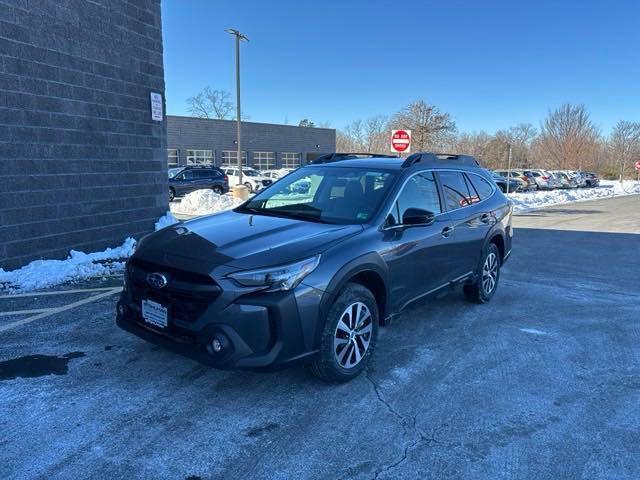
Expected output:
{"points": [[78, 266], [165, 221], [203, 202], [539, 199]]}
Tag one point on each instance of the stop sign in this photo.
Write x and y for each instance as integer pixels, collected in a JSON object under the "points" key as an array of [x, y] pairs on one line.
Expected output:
{"points": [[400, 141], [638, 165]]}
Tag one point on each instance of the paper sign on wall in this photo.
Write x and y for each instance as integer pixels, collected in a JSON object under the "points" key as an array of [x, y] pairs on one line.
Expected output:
{"points": [[156, 107]]}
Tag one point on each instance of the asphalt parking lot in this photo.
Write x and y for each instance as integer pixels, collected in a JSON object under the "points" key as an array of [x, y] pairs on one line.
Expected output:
{"points": [[543, 382]]}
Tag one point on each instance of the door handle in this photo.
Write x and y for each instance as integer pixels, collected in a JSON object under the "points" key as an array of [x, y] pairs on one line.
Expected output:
{"points": [[447, 231]]}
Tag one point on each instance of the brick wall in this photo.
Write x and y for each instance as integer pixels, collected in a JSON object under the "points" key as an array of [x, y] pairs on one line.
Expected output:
{"points": [[218, 135], [83, 165]]}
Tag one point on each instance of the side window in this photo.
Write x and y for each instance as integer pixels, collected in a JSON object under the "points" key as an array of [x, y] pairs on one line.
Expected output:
{"points": [[188, 175], [456, 192], [421, 192], [482, 187]]}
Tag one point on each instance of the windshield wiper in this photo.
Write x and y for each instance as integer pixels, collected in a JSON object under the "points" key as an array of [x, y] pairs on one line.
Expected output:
{"points": [[281, 214]]}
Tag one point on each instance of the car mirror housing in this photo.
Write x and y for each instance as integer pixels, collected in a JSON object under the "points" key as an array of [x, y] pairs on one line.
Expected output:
{"points": [[418, 217]]}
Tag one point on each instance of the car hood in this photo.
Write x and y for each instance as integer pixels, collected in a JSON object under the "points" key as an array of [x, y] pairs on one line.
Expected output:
{"points": [[246, 241]]}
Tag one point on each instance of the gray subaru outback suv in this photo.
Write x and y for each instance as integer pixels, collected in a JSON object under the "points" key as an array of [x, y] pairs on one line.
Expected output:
{"points": [[307, 270]]}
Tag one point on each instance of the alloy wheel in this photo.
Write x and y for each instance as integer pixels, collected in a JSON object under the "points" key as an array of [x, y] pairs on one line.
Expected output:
{"points": [[352, 335], [490, 273]]}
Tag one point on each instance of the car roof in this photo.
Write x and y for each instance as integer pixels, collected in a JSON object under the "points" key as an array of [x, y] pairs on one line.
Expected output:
{"points": [[396, 163]]}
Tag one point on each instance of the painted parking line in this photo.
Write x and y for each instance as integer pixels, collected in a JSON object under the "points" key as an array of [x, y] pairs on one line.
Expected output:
{"points": [[53, 311], [27, 312], [58, 292]]}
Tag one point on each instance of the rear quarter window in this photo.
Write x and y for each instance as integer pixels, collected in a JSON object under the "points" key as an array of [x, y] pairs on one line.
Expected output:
{"points": [[483, 188]]}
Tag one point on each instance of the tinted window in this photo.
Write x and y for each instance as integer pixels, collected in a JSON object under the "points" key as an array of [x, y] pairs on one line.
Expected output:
{"points": [[455, 191], [208, 173], [188, 175], [482, 187], [420, 191]]}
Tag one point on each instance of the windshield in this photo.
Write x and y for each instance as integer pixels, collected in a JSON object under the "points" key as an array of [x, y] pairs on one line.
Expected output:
{"points": [[342, 195], [174, 171]]}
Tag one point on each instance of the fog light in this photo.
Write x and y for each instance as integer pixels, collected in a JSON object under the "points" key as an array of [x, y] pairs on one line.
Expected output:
{"points": [[216, 345]]}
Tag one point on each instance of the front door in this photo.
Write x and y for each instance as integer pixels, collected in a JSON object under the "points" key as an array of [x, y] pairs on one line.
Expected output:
{"points": [[417, 260]]}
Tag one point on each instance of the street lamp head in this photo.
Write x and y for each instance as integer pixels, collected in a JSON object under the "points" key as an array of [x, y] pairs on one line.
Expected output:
{"points": [[233, 31]]}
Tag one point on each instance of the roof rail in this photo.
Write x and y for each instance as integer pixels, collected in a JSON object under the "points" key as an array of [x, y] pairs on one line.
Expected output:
{"points": [[430, 157], [336, 157]]}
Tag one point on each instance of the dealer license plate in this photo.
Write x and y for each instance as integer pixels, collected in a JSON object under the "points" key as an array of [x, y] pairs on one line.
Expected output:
{"points": [[154, 314]]}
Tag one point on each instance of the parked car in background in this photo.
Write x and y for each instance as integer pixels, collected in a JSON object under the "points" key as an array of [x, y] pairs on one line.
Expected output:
{"points": [[501, 182], [276, 174], [282, 279], [543, 179], [527, 183], [183, 180], [566, 180], [251, 178], [580, 178], [591, 179]]}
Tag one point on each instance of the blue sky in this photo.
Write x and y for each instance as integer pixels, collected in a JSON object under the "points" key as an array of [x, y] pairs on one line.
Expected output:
{"points": [[490, 64]]}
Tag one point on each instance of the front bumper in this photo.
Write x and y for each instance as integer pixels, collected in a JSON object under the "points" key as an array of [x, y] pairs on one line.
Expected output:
{"points": [[257, 331]]}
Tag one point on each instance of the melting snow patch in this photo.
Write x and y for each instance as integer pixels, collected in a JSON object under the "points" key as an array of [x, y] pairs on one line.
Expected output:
{"points": [[533, 331], [77, 266], [204, 202]]}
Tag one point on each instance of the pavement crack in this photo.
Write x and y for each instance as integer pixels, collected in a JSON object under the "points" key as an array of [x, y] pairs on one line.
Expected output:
{"points": [[410, 427]]}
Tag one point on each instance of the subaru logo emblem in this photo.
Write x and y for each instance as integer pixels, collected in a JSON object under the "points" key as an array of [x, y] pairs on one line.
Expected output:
{"points": [[157, 280]]}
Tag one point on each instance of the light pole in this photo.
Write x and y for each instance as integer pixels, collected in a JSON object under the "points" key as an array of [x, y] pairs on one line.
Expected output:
{"points": [[509, 168], [239, 36]]}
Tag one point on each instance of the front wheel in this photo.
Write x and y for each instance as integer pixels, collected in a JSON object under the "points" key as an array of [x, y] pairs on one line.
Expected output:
{"points": [[248, 185], [486, 282], [349, 335], [172, 194]]}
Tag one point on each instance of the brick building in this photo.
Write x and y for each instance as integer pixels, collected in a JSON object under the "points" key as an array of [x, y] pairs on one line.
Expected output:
{"points": [[83, 162], [266, 146]]}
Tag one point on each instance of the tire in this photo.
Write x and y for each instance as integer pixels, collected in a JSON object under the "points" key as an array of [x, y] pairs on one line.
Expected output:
{"points": [[340, 342], [172, 194], [487, 275], [217, 189], [248, 185]]}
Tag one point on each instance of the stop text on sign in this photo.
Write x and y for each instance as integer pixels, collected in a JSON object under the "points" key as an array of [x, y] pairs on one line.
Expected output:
{"points": [[400, 141]]}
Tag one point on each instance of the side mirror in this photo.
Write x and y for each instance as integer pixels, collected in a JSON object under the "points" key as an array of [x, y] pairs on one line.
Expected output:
{"points": [[418, 217]]}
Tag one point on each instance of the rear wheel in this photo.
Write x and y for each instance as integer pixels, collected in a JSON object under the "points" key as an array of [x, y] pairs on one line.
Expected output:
{"points": [[349, 335], [487, 276], [172, 194], [217, 189]]}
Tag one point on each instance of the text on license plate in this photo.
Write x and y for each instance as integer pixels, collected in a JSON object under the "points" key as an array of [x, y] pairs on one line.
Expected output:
{"points": [[154, 314]]}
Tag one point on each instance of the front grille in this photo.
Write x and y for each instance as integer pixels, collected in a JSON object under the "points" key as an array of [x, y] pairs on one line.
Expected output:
{"points": [[187, 295]]}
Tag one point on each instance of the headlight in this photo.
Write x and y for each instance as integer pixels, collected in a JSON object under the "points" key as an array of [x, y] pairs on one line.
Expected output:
{"points": [[283, 277]]}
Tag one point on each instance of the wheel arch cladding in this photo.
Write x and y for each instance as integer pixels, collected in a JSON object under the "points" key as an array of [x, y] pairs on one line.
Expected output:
{"points": [[498, 241], [373, 282]]}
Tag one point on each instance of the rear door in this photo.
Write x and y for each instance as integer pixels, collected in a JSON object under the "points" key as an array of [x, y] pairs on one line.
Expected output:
{"points": [[417, 262], [468, 220]]}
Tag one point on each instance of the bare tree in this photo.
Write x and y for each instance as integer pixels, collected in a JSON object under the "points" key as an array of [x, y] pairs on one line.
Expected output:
{"points": [[567, 136], [370, 135], [211, 103], [625, 144], [430, 128]]}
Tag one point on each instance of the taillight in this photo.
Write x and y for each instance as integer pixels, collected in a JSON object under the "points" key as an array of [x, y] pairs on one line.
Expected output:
{"points": [[226, 179], [546, 178]]}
